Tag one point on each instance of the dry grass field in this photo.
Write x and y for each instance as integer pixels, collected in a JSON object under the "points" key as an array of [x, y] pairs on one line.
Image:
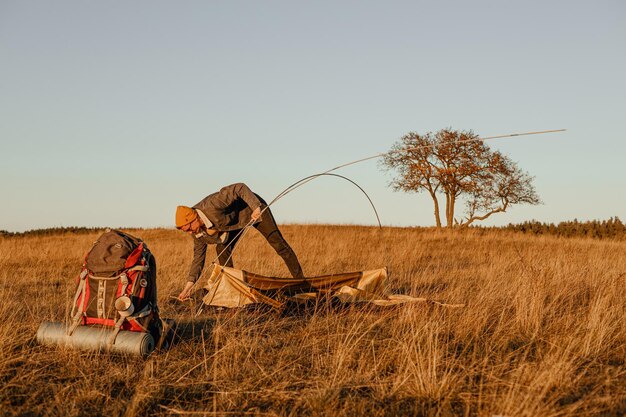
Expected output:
{"points": [[543, 332]]}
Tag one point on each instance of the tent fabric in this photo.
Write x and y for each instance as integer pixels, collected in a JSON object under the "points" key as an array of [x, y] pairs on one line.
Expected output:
{"points": [[230, 287]]}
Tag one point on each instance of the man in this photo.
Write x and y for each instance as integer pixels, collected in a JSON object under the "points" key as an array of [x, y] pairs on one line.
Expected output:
{"points": [[219, 218]]}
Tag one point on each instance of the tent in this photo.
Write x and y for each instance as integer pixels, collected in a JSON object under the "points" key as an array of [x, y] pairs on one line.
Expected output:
{"points": [[230, 287]]}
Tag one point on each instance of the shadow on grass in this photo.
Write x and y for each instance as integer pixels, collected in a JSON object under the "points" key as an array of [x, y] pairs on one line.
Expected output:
{"points": [[192, 329]]}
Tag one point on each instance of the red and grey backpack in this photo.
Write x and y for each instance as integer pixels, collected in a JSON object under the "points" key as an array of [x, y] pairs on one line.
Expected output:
{"points": [[117, 287]]}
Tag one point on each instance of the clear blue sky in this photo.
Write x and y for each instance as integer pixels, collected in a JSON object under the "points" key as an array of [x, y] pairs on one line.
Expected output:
{"points": [[112, 113]]}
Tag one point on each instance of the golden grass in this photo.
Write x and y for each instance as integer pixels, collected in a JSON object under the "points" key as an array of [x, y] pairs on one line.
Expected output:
{"points": [[543, 332]]}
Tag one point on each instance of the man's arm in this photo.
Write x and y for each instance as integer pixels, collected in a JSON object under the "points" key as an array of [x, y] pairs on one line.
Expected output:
{"points": [[197, 264]]}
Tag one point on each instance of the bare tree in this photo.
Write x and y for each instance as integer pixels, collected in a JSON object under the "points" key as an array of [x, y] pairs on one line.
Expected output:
{"points": [[457, 164], [503, 185]]}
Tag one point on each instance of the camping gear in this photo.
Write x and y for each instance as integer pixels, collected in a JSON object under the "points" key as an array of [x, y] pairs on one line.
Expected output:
{"points": [[230, 287], [115, 305], [95, 338]]}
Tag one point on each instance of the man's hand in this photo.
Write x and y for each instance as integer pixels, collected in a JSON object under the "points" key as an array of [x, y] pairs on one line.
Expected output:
{"points": [[256, 214], [186, 292]]}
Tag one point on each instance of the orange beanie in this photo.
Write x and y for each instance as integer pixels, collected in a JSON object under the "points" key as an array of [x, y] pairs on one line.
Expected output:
{"points": [[184, 216]]}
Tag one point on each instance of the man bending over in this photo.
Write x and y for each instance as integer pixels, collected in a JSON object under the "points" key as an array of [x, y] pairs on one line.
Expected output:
{"points": [[218, 219]]}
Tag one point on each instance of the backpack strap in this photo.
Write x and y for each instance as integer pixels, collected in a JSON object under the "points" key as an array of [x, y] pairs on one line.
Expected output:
{"points": [[146, 311], [124, 279], [118, 327], [134, 268], [77, 315], [118, 324]]}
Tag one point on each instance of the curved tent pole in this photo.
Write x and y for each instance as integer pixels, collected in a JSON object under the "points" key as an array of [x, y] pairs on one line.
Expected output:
{"points": [[291, 188]]}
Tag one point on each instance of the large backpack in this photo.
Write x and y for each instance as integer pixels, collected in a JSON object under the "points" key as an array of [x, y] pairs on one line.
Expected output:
{"points": [[117, 287]]}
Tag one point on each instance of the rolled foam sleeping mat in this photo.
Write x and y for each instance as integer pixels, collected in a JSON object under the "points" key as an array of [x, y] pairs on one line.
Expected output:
{"points": [[95, 338]]}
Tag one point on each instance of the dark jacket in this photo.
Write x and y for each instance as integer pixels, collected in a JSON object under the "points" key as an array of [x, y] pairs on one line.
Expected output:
{"points": [[228, 209]]}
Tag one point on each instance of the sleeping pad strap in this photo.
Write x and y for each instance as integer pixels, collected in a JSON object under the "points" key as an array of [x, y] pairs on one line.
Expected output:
{"points": [[118, 327], [76, 315]]}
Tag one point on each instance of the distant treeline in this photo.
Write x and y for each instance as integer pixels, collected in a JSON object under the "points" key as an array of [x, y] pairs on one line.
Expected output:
{"points": [[55, 231], [612, 228]]}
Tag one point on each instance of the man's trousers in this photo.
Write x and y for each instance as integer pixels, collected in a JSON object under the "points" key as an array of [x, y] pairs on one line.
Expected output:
{"points": [[268, 228]]}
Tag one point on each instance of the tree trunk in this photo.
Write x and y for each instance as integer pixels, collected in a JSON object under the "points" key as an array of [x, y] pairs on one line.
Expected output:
{"points": [[451, 219], [447, 210], [436, 202]]}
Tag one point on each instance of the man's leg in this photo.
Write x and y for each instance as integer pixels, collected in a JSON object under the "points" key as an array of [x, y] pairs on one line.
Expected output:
{"points": [[269, 230], [225, 250]]}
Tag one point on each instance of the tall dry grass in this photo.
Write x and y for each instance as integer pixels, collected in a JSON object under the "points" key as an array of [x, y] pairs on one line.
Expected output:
{"points": [[543, 332]]}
